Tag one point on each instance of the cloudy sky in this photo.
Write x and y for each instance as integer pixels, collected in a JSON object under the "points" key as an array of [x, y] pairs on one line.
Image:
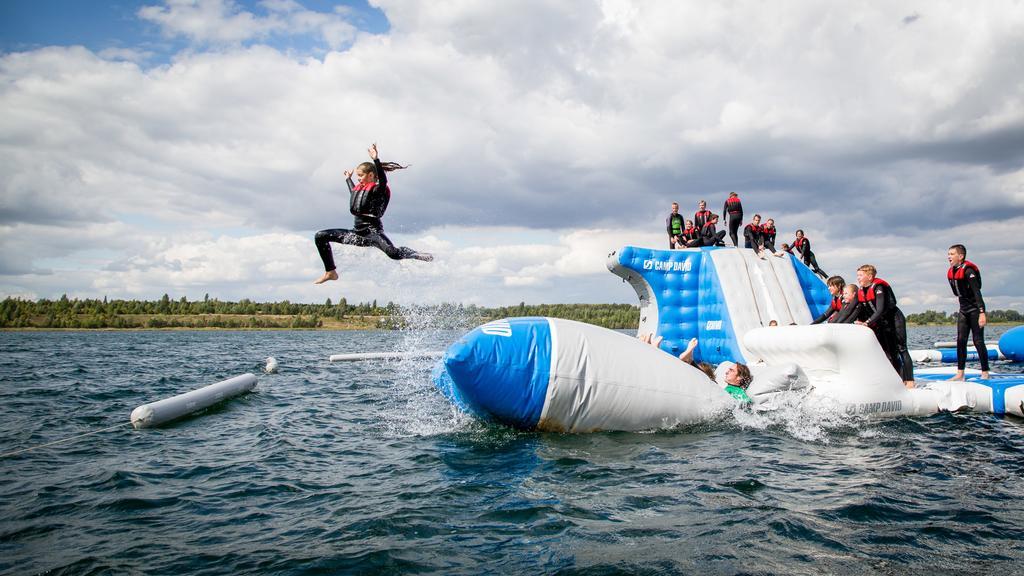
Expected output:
{"points": [[194, 146]]}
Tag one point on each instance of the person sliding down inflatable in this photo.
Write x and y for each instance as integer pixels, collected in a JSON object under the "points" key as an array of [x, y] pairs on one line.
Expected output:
{"points": [[368, 200]]}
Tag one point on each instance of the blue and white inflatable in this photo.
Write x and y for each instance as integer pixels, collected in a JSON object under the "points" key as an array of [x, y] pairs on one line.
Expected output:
{"points": [[560, 375]]}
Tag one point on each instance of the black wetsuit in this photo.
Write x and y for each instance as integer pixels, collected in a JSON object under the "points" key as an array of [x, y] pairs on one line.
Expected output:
{"points": [[965, 281], [829, 314], [803, 247], [751, 236], [768, 238], [733, 214], [674, 226], [700, 218], [847, 314], [367, 202], [710, 237], [691, 237], [879, 311]]}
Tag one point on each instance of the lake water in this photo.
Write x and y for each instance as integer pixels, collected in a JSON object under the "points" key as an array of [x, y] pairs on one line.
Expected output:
{"points": [[365, 468]]}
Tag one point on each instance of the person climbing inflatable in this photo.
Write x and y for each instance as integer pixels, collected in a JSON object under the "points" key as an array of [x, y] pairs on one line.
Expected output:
{"points": [[368, 200]]}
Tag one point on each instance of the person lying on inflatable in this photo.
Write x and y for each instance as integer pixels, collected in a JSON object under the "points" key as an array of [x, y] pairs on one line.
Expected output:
{"points": [[735, 378]]}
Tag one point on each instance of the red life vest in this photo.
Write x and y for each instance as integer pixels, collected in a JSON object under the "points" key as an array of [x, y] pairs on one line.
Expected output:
{"points": [[837, 305], [799, 242], [768, 230], [731, 204], [870, 291], [702, 216], [957, 272], [369, 200]]}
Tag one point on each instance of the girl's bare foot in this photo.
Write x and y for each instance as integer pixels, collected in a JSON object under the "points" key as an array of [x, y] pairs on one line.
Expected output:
{"points": [[985, 376], [329, 275], [958, 377], [909, 384]]}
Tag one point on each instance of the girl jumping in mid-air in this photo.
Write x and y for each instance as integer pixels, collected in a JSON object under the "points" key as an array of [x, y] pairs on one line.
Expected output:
{"points": [[368, 201]]}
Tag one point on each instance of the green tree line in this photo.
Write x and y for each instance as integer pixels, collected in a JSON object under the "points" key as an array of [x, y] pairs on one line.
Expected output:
{"points": [[936, 317], [213, 313]]}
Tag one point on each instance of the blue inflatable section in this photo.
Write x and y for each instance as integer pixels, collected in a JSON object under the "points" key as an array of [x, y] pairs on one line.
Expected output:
{"points": [[949, 355], [1011, 344], [517, 349], [815, 290], [716, 336]]}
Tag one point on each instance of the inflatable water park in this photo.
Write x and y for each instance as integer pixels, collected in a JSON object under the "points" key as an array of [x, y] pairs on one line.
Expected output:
{"points": [[558, 375]]}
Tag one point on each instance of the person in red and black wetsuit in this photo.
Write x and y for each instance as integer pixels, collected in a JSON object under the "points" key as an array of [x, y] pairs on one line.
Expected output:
{"points": [[709, 236], [965, 281], [700, 218], [752, 233], [803, 248], [880, 313], [368, 200], [674, 227], [733, 213], [691, 235], [835, 288], [768, 235]]}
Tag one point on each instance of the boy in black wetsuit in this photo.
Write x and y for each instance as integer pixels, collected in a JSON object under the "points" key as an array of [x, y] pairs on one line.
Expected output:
{"points": [[768, 235], [752, 234], [880, 313], [965, 281], [733, 213], [709, 236], [674, 227], [835, 288], [700, 218], [368, 200]]}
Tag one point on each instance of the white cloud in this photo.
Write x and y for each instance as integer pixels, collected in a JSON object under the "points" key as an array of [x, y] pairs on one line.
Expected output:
{"points": [[541, 135], [225, 22]]}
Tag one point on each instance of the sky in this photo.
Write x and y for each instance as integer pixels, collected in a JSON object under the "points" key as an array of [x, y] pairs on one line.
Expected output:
{"points": [[194, 147]]}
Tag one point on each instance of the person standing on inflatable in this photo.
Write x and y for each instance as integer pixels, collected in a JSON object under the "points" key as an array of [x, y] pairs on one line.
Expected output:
{"points": [[368, 200], [965, 280], [880, 313], [674, 227], [733, 214]]}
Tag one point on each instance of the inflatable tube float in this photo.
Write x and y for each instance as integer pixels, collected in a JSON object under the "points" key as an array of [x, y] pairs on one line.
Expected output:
{"points": [[1011, 344]]}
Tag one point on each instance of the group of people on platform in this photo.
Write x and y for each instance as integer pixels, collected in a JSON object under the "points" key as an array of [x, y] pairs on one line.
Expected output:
{"points": [[703, 230], [870, 301]]}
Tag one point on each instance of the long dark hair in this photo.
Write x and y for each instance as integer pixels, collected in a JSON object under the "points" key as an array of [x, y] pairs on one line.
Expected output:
{"points": [[387, 166]]}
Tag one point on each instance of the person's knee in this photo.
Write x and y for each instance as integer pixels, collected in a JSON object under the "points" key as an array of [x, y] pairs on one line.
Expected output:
{"points": [[320, 236]]}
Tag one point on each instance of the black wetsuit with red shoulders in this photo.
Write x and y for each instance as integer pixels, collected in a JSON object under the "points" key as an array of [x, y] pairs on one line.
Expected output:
{"points": [[700, 218], [965, 281], [829, 314], [367, 202], [768, 237], [709, 236], [733, 214], [879, 311], [691, 237], [752, 236], [803, 248]]}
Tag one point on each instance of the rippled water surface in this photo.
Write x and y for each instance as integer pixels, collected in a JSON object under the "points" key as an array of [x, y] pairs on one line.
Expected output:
{"points": [[364, 468]]}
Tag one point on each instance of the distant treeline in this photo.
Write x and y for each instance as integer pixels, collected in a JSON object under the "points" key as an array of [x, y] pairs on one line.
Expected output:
{"points": [[213, 313], [936, 317]]}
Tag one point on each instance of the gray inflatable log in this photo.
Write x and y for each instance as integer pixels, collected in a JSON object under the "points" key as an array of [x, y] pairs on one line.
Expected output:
{"points": [[162, 411]]}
